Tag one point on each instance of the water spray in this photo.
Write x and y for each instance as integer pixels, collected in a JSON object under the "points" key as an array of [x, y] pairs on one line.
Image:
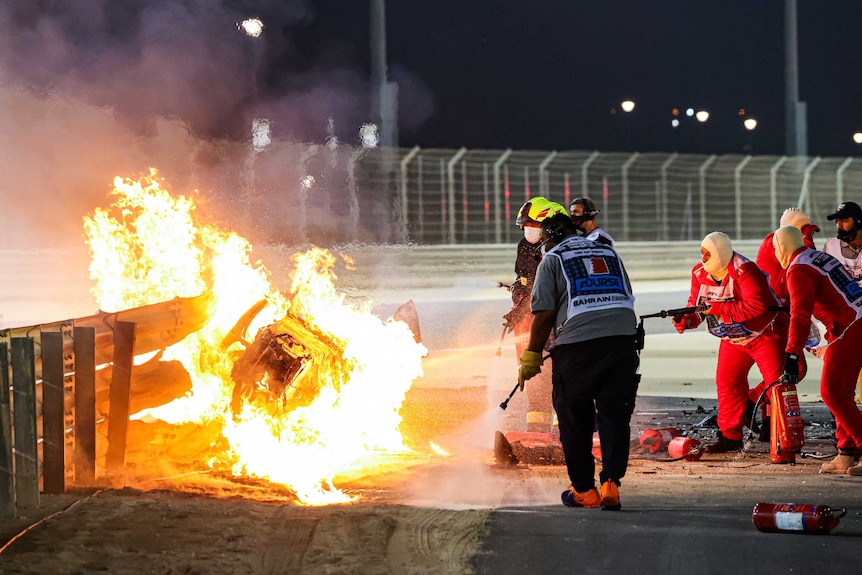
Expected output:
{"points": [[502, 337]]}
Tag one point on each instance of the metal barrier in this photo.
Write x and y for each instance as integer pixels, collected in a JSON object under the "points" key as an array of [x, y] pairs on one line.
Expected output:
{"points": [[35, 417], [48, 423]]}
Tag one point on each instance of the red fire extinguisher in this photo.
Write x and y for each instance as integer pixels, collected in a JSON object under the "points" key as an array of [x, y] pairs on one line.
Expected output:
{"points": [[786, 426], [795, 518], [654, 440], [684, 448]]}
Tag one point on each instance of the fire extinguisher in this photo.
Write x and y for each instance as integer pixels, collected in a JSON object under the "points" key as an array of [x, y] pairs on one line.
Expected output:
{"points": [[795, 518], [684, 448], [654, 440], [787, 430]]}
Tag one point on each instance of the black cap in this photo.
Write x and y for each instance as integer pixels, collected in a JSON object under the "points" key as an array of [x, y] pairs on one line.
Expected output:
{"points": [[589, 206], [846, 210]]}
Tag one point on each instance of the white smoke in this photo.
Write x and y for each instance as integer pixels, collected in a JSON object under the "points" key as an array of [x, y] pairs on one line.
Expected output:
{"points": [[93, 89]]}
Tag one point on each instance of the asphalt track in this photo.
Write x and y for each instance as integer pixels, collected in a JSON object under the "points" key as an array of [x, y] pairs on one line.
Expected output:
{"points": [[685, 517]]}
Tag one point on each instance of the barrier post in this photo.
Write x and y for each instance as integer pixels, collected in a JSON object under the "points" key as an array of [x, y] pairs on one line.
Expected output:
{"points": [[85, 405], [24, 416], [53, 433], [121, 379], [7, 482]]}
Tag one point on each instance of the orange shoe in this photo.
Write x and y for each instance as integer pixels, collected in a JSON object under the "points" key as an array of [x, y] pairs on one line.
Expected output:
{"points": [[610, 496], [855, 471], [589, 499]]}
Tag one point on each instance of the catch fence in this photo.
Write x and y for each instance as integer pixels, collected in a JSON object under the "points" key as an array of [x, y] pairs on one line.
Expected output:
{"points": [[448, 196], [295, 193]]}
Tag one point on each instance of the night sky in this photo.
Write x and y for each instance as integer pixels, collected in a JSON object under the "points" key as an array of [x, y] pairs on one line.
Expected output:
{"points": [[482, 74]]}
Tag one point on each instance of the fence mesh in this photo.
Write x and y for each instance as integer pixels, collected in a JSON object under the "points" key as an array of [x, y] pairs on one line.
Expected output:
{"points": [[298, 193]]}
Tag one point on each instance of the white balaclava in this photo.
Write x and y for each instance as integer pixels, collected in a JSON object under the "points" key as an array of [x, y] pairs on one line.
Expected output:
{"points": [[532, 235], [786, 240], [794, 217], [720, 254]]}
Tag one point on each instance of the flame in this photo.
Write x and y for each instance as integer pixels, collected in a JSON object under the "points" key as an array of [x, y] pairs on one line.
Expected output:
{"points": [[151, 247], [437, 449]]}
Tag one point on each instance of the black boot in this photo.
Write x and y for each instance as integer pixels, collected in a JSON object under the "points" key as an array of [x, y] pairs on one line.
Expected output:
{"points": [[724, 445], [765, 430], [750, 421]]}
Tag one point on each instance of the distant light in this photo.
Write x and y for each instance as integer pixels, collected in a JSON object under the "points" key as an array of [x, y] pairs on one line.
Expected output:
{"points": [[702, 116], [613, 111], [251, 27], [260, 134], [368, 135], [857, 137], [674, 112], [674, 123], [749, 123], [689, 112], [627, 105], [740, 112]]}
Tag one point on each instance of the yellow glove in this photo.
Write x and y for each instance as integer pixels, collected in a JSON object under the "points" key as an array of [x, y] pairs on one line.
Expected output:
{"points": [[531, 362]]}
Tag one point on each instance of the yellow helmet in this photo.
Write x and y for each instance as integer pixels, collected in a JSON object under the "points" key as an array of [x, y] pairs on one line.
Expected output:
{"points": [[537, 209]]}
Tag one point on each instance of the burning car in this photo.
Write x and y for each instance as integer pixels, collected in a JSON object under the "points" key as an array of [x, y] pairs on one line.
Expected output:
{"points": [[277, 374]]}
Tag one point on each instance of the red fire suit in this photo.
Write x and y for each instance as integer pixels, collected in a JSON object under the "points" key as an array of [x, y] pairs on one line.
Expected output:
{"points": [[750, 334], [820, 286], [768, 263]]}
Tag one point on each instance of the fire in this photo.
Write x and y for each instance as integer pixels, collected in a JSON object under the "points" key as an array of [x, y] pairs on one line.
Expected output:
{"points": [[151, 247], [437, 449]]}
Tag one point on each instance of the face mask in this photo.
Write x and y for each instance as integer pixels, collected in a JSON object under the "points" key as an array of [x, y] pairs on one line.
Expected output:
{"points": [[532, 234], [847, 236]]}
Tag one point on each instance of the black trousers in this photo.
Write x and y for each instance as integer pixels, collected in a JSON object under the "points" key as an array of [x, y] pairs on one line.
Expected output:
{"points": [[595, 383]]}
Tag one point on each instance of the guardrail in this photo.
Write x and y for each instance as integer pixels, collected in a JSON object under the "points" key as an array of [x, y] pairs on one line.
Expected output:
{"points": [[58, 374]]}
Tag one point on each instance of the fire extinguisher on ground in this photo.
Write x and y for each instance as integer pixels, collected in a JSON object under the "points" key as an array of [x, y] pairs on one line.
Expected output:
{"points": [[787, 429], [795, 518]]}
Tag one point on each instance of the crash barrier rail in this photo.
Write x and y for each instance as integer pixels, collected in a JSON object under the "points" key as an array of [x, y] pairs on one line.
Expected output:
{"points": [[54, 401], [326, 196]]}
